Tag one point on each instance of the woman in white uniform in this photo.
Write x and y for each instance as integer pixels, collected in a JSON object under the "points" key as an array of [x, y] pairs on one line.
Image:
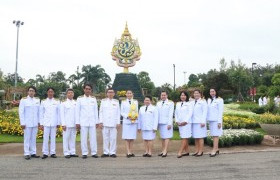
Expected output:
{"points": [[183, 114], [165, 121], [129, 129], [215, 119], [199, 130], [147, 123]]}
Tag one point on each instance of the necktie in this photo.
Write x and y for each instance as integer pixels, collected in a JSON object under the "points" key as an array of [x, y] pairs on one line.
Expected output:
{"points": [[212, 100], [129, 102], [163, 102], [195, 102], [182, 104], [146, 108]]}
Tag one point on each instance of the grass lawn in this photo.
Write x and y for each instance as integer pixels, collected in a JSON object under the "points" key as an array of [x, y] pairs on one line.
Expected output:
{"points": [[7, 138]]}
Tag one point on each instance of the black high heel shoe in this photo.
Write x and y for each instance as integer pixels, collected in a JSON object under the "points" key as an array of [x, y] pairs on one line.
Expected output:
{"points": [[216, 153], [198, 155], [160, 154], [194, 154], [164, 155]]}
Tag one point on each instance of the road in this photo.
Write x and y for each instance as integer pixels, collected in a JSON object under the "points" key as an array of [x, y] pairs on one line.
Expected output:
{"points": [[258, 165]]}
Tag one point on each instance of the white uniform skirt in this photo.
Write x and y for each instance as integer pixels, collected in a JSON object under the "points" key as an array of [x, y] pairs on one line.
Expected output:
{"points": [[198, 131], [185, 131], [214, 130], [129, 131], [164, 132], [148, 134]]}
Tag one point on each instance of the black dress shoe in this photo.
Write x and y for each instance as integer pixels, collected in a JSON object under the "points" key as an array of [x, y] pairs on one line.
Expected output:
{"points": [[27, 157], [194, 154], [44, 156], [67, 156], [149, 155], [179, 156], [53, 156], [160, 154], [104, 155], [164, 155], [132, 155], [198, 155], [128, 155], [94, 156], [145, 155], [113, 156], [186, 154], [84, 156], [34, 156], [74, 155]]}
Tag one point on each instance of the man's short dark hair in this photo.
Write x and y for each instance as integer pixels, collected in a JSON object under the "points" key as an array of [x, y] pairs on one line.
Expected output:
{"points": [[109, 89], [69, 89], [32, 87], [50, 88], [149, 97], [87, 84]]}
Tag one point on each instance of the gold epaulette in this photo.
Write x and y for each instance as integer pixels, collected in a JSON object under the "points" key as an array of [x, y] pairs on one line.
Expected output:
{"points": [[24, 98]]}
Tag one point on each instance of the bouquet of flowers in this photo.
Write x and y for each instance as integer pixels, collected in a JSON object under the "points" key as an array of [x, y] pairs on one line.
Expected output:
{"points": [[133, 113]]}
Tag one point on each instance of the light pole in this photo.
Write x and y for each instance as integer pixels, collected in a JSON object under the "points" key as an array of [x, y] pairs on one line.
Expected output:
{"points": [[253, 89], [185, 72], [18, 24], [174, 77]]}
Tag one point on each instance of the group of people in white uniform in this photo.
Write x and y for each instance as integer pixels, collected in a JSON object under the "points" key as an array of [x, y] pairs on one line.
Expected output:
{"points": [[82, 114]]}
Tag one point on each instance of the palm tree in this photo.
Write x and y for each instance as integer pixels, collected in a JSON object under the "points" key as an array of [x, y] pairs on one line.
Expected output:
{"points": [[96, 76]]}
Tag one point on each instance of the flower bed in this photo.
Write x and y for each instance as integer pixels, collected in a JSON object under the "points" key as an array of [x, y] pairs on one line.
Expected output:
{"points": [[268, 118], [9, 124], [239, 122], [232, 137]]}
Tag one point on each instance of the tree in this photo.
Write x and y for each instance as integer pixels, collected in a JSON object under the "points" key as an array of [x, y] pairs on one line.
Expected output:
{"points": [[96, 76], [145, 81], [10, 79], [276, 79], [193, 81]]}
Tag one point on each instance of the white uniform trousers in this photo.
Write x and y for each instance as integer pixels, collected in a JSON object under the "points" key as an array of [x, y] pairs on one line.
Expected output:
{"points": [[49, 132], [85, 130], [30, 134], [109, 140], [69, 141]]}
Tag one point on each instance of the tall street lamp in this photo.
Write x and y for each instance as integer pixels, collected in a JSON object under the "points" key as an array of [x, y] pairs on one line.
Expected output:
{"points": [[18, 24], [253, 89], [174, 77], [185, 77]]}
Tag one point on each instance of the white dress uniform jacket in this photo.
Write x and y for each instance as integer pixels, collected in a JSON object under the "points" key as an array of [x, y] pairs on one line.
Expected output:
{"points": [[49, 112], [165, 111], [215, 109], [67, 113], [109, 113], [29, 111], [183, 112], [148, 118], [125, 108], [199, 111], [86, 111]]}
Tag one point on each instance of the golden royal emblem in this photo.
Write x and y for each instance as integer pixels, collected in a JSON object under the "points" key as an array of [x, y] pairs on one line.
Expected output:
{"points": [[126, 51], [133, 113]]}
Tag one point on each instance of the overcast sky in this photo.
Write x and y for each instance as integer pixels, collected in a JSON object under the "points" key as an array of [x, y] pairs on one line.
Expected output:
{"points": [[193, 34]]}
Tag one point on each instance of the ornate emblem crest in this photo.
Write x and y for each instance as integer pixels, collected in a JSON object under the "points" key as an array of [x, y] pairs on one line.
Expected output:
{"points": [[126, 51]]}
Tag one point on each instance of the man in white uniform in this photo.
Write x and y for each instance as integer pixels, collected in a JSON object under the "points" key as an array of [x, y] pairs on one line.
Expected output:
{"points": [[165, 109], [29, 120], [109, 119], [87, 121], [67, 116], [49, 121]]}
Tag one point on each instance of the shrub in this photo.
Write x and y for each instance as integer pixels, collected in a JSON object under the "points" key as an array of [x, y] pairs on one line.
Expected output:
{"points": [[269, 118]]}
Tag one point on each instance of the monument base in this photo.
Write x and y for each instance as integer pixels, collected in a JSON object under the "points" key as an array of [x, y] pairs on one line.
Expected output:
{"points": [[128, 81]]}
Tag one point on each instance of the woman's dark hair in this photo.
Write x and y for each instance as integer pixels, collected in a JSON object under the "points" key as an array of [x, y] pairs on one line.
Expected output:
{"points": [[32, 87], [89, 85], [149, 97], [215, 91], [186, 94], [129, 90], [50, 88], [199, 91]]}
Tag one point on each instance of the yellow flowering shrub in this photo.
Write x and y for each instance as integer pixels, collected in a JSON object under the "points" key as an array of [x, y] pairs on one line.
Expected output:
{"points": [[10, 124], [239, 122], [268, 118], [121, 93]]}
